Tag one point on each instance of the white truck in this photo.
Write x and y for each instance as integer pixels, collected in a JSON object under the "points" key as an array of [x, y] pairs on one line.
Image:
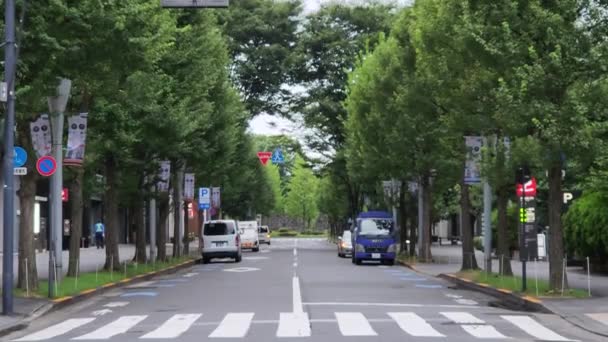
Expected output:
{"points": [[249, 235]]}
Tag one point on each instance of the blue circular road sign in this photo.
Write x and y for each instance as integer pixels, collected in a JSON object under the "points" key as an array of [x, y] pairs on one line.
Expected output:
{"points": [[20, 157]]}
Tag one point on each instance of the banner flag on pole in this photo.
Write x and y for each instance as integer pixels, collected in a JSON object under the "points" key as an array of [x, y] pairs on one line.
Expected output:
{"points": [[77, 136]]}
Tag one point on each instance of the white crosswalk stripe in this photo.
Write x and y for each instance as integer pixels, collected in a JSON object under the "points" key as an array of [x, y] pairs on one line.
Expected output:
{"points": [[174, 327], [414, 324], [354, 324], [473, 325], [298, 324], [233, 325], [534, 328], [57, 329], [119, 326]]}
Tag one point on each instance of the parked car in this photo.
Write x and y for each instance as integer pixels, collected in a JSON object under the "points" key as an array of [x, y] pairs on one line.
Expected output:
{"points": [[249, 235], [345, 245], [220, 239], [264, 235]]}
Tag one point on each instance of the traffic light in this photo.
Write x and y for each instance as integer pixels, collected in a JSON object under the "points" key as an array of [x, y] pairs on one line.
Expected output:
{"points": [[522, 215], [522, 176]]}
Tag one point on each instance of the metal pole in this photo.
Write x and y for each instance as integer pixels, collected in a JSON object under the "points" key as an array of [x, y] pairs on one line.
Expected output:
{"points": [[56, 187], [9, 142], [487, 225], [152, 229], [420, 217], [523, 252]]}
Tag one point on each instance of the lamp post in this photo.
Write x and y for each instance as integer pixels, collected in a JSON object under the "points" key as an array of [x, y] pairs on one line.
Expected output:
{"points": [[57, 105], [7, 164]]}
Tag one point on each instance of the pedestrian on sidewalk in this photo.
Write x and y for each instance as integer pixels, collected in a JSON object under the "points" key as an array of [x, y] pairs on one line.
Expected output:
{"points": [[100, 230]]}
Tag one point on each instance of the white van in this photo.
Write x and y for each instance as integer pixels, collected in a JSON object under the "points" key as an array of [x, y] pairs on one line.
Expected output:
{"points": [[249, 235], [264, 235], [220, 239]]}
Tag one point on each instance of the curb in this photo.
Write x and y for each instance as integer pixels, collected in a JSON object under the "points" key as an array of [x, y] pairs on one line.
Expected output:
{"points": [[62, 302], [508, 297]]}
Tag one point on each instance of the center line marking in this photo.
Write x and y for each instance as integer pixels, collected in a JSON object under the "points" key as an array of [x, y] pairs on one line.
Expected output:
{"points": [[297, 296]]}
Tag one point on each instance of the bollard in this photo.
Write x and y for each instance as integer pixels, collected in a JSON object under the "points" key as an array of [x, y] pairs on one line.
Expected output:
{"points": [[536, 274], [96, 273], [111, 268], [125, 270], [563, 275], [77, 268], [55, 280], [588, 277]]}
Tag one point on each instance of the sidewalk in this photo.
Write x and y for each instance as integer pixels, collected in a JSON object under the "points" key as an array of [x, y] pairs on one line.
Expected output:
{"points": [[589, 314], [26, 309], [90, 258]]}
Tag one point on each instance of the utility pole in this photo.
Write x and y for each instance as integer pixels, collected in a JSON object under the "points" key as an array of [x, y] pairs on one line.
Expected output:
{"points": [[10, 64], [487, 225], [152, 225]]}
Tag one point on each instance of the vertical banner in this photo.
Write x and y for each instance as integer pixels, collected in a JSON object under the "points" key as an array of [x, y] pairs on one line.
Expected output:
{"points": [[472, 168], [189, 186], [77, 136], [215, 198], [41, 135], [165, 174]]}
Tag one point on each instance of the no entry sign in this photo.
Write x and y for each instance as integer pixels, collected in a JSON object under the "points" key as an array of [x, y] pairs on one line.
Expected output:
{"points": [[46, 166]]}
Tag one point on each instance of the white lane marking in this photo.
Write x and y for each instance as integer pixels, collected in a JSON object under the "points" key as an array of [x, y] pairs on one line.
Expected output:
{"points": [[354, 324], [101, 312], [119, 326], [534, 328], [295, 252], [464, 301], [116, 304], [142, 284], [462, 318], [298, 307], [255, 258], [450, 306], [174, 326], [452, 295], [414, 324], [600, 317], [233, 325], [295, 264], [293, 324], [241, 269], [190, 275], [56, 330]]}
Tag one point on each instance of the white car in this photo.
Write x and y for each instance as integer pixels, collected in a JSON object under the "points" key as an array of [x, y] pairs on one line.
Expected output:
{"points": [[264, 234], [249, 235], [220, 239]]}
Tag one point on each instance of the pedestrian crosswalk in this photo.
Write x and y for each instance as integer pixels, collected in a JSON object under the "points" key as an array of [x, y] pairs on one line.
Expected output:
{"points": [[348, 324]]}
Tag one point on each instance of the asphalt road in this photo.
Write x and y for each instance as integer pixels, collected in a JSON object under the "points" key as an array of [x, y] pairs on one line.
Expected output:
{"points": [[295, 290]]}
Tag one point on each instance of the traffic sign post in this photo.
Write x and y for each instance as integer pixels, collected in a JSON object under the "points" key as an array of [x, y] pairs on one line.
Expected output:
{"points": [[20, 157], [46, 166], [528, 238], [204, 198], [277, 157], [264, 157]]}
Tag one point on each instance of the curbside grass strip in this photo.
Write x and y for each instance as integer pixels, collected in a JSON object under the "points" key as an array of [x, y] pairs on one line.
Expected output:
{"points": [[58, 303], [509, 298]]}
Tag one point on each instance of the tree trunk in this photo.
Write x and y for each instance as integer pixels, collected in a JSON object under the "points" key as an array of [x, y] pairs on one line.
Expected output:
{"points": [[76, 220], [413, 219], [112, 220], [178, 180], [503, 243], [27, 252], [140, 233], [556, 238], [469, 261], [186, 237], [425, 250], [161, 236]]}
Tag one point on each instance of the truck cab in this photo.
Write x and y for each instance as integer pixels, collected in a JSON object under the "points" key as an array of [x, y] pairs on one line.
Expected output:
{"points": [[373, 236]]}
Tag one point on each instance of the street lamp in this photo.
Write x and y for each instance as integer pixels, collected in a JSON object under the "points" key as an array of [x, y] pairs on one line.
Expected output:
{"points": [[57, 105]]}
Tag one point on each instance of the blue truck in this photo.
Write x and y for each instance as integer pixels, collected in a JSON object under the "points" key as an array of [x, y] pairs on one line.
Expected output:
{"points": [[373, 237]]}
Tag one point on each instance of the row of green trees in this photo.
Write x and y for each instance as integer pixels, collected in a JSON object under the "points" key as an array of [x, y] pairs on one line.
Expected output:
{"points": [[532, 71], [158, 84]]}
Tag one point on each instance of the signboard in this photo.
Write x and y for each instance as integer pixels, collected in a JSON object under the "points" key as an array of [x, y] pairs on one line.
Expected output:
{"points": [[472, 168], [528, 235], [194, 3], [189, 186], [264, 157], [164, 174], [20, 157], [20, 171], [41, 135], [215, 198], [528, 189], [77, 136], [277, 157], [46, 166], [204, 198]]}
